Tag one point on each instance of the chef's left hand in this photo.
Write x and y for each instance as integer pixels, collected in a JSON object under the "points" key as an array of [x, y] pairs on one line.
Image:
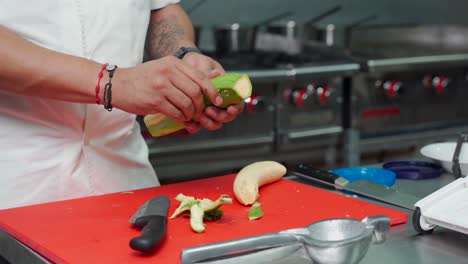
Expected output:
{"points": [[212, 118]]}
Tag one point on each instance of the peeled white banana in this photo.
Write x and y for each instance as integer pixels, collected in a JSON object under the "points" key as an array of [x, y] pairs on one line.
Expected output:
{"points": [[253, 176]]}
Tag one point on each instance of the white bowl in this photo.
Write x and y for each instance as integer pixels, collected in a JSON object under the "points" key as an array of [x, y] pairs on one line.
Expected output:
{"points": [[442, 153]]}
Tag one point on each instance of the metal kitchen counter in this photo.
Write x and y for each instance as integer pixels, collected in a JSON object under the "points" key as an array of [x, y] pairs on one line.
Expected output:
{"points": [[402, 246]]}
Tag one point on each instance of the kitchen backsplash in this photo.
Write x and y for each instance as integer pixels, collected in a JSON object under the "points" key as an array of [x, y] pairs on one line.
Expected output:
{"points": [[209, 13], [213, 12]]}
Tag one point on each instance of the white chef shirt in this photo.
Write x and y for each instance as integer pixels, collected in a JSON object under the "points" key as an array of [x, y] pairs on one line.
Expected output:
{"points": [[53, 150]]}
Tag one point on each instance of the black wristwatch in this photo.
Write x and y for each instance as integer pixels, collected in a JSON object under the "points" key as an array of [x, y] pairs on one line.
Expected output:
{"points": [[180, 53]]}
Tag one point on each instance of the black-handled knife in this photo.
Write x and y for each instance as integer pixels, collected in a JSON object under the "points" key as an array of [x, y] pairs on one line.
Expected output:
{"points": [[322, 176], [362, 187], [151, 218]]}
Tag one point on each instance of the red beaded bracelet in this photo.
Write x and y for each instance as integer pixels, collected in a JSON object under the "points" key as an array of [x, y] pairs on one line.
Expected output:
{"points": [[98, 87]]}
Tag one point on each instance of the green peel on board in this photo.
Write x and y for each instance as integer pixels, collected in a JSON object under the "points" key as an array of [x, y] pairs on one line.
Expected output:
{"points": [[255, 212]]}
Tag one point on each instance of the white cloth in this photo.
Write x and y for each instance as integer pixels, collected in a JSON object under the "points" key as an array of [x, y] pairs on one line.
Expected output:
{"points": [[53, 150]]}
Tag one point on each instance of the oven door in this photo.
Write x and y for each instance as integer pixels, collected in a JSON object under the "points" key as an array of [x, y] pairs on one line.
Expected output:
{"points": [[309, 117], [400, 102]]}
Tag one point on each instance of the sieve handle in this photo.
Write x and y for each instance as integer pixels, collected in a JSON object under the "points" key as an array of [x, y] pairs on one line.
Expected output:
{"points": [[381, 226]]}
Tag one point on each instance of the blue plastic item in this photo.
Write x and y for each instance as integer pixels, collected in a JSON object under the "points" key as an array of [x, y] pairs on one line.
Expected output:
{"points": [[414, 170], [377, 175]]}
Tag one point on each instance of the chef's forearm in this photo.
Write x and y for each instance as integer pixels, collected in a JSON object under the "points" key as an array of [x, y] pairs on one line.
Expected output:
{"points": [[29, 69], [170, 28]]}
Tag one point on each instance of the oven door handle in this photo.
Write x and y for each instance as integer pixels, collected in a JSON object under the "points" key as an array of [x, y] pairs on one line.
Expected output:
{"points": [[237, 142], [310, 133]]}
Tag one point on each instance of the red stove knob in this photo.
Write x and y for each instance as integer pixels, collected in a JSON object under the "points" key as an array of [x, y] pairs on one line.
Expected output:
{"points": [[301, 96], [297, 96], [323, 93], [254, 102], [438, 83], [392, 88]]}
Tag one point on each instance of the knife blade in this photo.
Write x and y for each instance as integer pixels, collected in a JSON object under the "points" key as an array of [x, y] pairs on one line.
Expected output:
{"points": [[362, 187], [151, 219]]}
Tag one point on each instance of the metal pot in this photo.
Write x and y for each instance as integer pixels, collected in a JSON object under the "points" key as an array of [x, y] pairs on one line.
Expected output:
{"points": [[307, 31], [288, 29], [236, 38]]}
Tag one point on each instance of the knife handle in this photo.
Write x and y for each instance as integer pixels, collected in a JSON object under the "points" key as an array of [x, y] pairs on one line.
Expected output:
{"points": [[306, 172], [151, 234]]}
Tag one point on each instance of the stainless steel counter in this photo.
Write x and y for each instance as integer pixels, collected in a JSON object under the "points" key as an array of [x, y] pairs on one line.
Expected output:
{"points": [[406, 246], [402, 246]]}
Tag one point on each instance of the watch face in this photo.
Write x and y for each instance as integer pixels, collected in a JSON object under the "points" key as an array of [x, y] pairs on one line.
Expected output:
{"points": [[111, 67], [179, 53]]}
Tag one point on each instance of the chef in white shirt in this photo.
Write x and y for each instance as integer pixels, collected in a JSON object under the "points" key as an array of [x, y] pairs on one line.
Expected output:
{"points": [[61, 137]]}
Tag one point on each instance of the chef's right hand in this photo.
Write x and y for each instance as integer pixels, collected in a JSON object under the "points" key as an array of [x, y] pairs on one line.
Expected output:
{"points": [[167, 85]]}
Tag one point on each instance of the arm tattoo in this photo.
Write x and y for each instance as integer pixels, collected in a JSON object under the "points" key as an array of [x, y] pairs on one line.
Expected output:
{"points": [[163, 37]]}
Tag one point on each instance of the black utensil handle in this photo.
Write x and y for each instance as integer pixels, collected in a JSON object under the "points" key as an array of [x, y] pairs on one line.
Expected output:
{"points": [[455, 159], [307, 172], [151, 234], [323, 15]]}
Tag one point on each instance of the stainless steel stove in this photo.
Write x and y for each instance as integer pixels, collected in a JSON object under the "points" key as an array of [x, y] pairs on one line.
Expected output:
{"points": [[392, 90], [413, 91]]}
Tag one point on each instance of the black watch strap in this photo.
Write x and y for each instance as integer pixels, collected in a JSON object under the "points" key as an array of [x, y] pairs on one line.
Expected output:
{"points": [[180, 53]]}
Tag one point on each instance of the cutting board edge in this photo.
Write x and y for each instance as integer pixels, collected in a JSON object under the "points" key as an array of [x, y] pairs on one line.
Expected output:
{"points": [[30, 244], [53, 257]]}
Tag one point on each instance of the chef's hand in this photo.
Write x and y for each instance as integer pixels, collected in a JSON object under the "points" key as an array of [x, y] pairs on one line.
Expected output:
{"points": [[212, 118], [204, 64], [167, 85]]}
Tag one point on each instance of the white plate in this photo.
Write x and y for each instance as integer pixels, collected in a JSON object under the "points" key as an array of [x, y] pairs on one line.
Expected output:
{"points": [[442, 153]]}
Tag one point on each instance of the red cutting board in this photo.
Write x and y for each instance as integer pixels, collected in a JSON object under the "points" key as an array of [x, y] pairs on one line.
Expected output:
{"points": [[96, 229]]}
